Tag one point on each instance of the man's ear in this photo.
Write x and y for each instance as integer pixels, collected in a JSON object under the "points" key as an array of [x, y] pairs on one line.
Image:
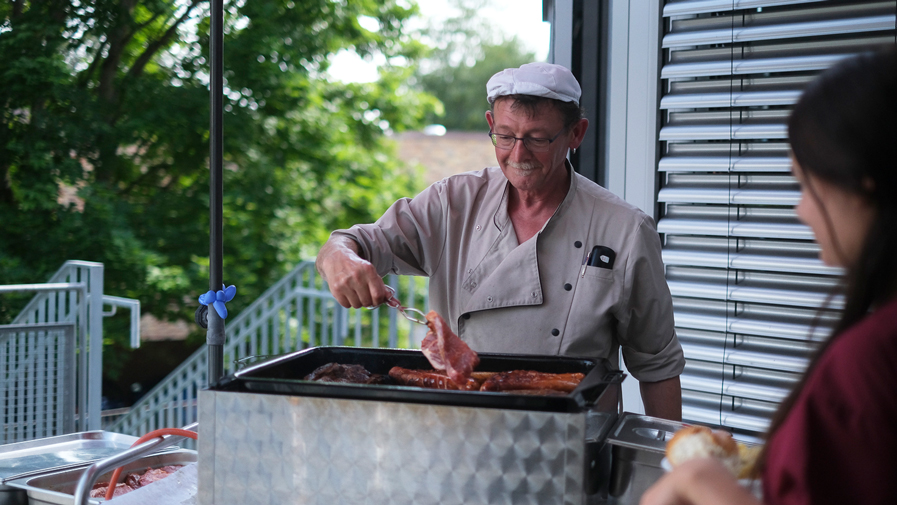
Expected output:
{"points": [[489, 119], [579, 132]]}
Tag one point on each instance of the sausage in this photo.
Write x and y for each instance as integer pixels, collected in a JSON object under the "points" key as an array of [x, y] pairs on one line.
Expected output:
{"points": [[429, 379], [529, 379]]}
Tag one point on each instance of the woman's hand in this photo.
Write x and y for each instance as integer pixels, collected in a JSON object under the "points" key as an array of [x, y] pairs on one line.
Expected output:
{"points": [[701, 481]]}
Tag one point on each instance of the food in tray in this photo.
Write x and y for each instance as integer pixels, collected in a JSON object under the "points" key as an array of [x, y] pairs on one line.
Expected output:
{"points": [[517, 380], [437, 379], [702, 442], [446, 351], [430, 379], [134, 481], [346, 374], [524, 382]]}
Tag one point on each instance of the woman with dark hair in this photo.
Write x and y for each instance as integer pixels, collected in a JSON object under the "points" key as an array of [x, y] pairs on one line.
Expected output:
{"points": [[834, 439]]}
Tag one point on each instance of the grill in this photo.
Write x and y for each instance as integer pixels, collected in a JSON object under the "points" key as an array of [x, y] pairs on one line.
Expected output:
{"points": [[268, 436]]}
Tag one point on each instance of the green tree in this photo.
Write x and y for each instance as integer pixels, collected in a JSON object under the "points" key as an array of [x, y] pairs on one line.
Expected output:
{"points": [[467, 51], [104, 139]]}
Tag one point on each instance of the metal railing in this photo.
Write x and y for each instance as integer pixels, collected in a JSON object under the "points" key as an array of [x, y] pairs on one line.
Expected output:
{"points": [[37, 381], [296, 313], [74, 295], [133, 306]]}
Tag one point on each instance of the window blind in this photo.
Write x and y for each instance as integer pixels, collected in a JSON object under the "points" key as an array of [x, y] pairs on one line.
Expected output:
{"points": [[751, 298]]}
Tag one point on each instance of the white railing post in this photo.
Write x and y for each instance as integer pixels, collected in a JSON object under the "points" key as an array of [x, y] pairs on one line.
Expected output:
{"points": [[95, 362], [134, 307]]}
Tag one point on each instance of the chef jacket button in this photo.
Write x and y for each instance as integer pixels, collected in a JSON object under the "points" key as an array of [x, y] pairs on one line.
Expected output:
{"points": [[470, 270], [577, 244], [488, 298], [478, 227], [555, 332], [534, 294], [568, 286], [466, 316], [473, 284]]}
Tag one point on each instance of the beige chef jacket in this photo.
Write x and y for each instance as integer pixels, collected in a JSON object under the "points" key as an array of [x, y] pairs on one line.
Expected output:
{"points": [[534, 298]]}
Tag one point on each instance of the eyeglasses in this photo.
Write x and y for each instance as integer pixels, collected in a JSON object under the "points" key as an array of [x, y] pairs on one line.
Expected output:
{"points": [[533, 144]]}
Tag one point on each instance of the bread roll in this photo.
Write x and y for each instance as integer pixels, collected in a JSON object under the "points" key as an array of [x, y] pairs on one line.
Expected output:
{"points": [[747, 456], [702, 442]]}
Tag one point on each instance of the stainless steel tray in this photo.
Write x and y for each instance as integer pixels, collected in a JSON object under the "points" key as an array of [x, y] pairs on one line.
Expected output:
{"points": [[58, 488], [637, 443], [644, 433], [36, 457], [285, 375], [27, 458]]}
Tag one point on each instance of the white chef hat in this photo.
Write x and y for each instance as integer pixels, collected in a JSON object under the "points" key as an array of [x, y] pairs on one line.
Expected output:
{"points": [[538, 79]]}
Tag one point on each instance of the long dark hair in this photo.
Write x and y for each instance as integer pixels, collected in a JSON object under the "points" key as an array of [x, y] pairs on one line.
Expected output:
{"points": [[842, 131]]}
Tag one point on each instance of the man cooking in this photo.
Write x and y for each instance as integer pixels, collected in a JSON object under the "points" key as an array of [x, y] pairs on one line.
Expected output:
{"points": [[528, 257]]}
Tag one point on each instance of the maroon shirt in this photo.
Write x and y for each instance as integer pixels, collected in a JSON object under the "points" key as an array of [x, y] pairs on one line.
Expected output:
{"points": [[838, 445]]}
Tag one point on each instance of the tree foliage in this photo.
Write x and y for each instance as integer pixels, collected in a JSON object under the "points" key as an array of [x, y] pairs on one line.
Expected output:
{"points": [[466, 51], [104, 138]]}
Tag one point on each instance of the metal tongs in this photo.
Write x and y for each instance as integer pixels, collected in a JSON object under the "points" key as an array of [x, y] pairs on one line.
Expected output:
{"points": [[394, 303]]}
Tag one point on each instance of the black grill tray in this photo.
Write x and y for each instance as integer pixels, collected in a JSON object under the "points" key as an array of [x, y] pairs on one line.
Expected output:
{"points": [[284, 375]]}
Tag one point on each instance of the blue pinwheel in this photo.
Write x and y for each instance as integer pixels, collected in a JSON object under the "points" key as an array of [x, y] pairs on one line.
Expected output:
{"points": [[218, 298]]}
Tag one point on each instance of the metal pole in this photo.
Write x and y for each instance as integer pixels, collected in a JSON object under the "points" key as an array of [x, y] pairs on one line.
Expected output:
{"points": [[215, 335]]}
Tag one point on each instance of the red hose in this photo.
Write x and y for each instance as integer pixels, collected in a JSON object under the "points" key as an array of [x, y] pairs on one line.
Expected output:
{"points": [[149, 436]]}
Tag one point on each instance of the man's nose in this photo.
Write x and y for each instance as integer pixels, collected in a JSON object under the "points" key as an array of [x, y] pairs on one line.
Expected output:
{"points": [[519, 151]]}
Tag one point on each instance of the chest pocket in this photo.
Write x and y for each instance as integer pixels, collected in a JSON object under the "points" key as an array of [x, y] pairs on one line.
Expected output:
{"points": [[591, 322]]}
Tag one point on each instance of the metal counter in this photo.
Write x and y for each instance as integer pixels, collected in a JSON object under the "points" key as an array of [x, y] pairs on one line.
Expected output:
{"points": [[400, 445]]}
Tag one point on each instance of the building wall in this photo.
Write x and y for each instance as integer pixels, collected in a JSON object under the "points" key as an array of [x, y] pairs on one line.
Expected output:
{"points": [[449, 154]]}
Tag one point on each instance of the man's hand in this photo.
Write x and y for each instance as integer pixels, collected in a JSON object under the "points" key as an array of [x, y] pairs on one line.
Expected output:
{"points": [[353, 281], [662, 398]]}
